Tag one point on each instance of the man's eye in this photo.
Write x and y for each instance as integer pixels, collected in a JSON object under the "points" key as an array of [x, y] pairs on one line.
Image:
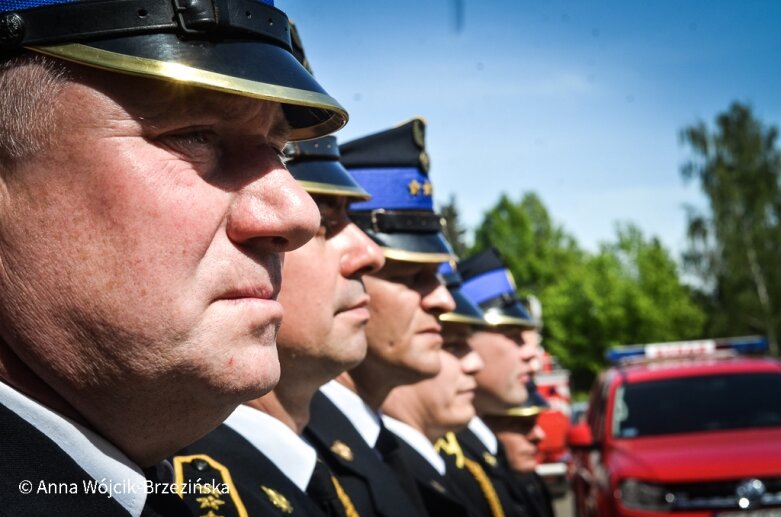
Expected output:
{"points": [[329, 226], [192, 138]]}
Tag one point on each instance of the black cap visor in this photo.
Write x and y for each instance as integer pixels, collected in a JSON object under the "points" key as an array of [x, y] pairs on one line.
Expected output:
{"points": [[326, 177], [429, 247], [251, 68], [513, 314], [465, 312]]}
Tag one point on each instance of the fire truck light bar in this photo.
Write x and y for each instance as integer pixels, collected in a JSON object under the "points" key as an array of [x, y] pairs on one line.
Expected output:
{"points": [[739, 345]]}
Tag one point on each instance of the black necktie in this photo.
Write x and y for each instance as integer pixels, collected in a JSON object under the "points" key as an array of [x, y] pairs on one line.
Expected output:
{"points": [[160, 504], [321, 489], [388, 447]]}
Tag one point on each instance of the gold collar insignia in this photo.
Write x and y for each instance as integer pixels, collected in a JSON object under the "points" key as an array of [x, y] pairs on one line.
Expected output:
{"points": [[277, 499], [489, 458], [342, 450]]}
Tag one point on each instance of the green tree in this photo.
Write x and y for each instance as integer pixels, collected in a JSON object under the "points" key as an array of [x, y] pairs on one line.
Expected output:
{"points": [[733, 248], [453, 230], [535, 249], [629, 292]]}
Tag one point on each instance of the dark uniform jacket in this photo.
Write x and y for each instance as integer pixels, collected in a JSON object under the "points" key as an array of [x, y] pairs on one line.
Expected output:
{"points": [[29, 455], [373, 478], [510, 493], [224, 458], [539, 498], [439, 495]]}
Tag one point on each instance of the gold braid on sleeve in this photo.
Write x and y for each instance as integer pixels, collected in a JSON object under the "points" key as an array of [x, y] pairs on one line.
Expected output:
{"points": [[486, 487], [448, 444], [349, 508]]}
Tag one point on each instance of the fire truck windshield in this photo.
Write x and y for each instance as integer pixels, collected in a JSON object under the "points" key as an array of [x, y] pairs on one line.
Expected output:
{"points": [[696, 404]]}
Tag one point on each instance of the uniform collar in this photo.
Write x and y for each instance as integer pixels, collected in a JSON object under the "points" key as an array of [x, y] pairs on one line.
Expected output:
{"points": [[417, 441], [279, 443], [97, 457], [364, 418], [485, 435]]}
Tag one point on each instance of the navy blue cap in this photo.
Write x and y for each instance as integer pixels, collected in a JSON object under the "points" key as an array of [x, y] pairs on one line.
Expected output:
{"points": [[466, 310], [315, 165], [241, 47], [488, 283], [534, 404], [392, 166]]}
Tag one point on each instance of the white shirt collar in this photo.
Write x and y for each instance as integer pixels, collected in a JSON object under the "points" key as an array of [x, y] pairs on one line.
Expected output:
{"points": [[96, 456], [484, 434], [417, 441], [365, 420], [279, 443]]}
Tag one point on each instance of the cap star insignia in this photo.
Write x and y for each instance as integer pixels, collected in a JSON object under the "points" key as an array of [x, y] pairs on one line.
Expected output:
{"points": [[490, 458], [414, 187], [342, 450], [428, 189], [277, 499]]}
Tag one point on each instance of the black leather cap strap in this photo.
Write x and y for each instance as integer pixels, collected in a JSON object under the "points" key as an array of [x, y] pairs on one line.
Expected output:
{"points": [[385, 221], [82, 21]]}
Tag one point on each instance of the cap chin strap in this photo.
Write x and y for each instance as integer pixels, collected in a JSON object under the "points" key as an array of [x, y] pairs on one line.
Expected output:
{"points": [[83, 21], [389, 221]]}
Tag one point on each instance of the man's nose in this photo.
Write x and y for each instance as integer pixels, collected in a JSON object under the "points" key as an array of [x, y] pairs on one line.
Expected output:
{"points": [[274, 213]]}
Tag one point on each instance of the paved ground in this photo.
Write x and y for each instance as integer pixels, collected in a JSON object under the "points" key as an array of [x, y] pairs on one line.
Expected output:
{"points": [[563, 506]]}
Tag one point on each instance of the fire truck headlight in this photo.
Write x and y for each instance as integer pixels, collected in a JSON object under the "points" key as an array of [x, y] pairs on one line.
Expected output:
{"points": [[645, 496]]}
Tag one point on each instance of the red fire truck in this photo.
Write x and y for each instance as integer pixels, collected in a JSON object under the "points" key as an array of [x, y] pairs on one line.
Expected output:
{"points": [[691, 429], [553, 455]]}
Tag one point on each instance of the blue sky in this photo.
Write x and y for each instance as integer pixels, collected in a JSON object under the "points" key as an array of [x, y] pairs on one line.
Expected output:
{"points": [[581, 102]]}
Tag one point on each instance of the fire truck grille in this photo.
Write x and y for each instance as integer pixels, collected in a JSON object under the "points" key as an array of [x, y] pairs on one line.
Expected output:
{"points": [[743, 494]]}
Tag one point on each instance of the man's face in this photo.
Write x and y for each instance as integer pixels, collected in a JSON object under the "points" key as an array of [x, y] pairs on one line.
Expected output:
{"points": [[404, 333], [142, 249], [521, 441], [447, 399], [531, 338], [502, 382], [326, 306]]}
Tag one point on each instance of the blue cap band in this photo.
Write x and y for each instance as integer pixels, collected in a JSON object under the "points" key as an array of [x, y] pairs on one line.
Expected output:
{"points": [[21, 5], [488, 286], [394, 189], [445, 269]]}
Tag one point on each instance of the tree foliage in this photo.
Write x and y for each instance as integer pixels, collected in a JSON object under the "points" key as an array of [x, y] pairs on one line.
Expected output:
{"points": [[734, 247], [533, 247], [628, 292], [453, 229]]}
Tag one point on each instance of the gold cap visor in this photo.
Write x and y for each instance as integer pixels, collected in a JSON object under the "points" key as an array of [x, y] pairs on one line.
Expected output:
{"points": [[249, 68]]}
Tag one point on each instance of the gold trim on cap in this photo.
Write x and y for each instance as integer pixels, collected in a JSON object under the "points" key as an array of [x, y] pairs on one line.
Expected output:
{"points": [[496, 320], [416, 256], [523, 412], [419, 118], [454, 317], [115, 62], [418, 132], [315, 187]]}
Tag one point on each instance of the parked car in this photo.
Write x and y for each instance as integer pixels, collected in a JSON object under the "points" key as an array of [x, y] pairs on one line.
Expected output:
{"points": [[687, 430]]}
